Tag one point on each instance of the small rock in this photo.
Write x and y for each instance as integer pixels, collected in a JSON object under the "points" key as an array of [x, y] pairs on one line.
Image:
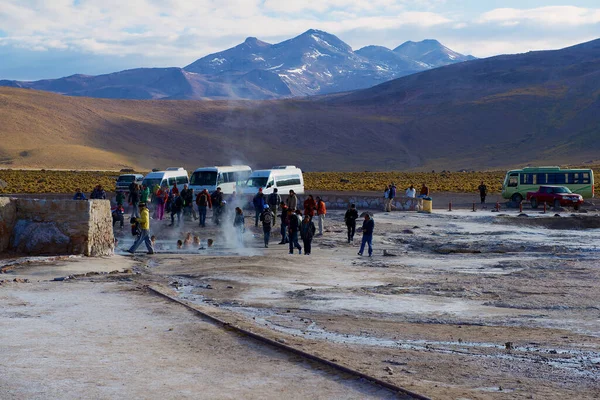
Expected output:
{"points": [[113, 272], [230, 287], [389, 370], [170, 329], [61, 278], [389, 254], [522, 215], [509, 345], [128, 271], [408, 231], [280, 340], [209, 287]]}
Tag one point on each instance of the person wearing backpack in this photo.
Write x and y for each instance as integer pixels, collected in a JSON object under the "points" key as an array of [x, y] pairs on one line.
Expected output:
{"points": [[273, 201], [307, 232], [216, 199], [144, 229], [294, 228], [134, 200], [176, 208], [239, 225], [284, 224], [266, 217], [203, 201], [187, 195], [367, 238]]}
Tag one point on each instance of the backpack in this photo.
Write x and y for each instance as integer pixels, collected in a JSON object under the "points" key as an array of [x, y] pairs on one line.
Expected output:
{"points": [[135, 227], [268, 218]]}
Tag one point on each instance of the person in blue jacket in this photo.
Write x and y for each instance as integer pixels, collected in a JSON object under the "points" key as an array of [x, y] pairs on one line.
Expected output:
{"points": [[79, 195], [259, 202], [367, 232]]}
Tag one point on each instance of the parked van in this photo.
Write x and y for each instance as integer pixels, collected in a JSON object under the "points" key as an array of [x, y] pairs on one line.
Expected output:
{"points": [[282, 177], [226, 177], [168, 177], [123, 181]]}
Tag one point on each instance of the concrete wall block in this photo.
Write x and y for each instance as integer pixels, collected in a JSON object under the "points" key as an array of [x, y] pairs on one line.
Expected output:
{"points": [[8, 219], [101, 239]]}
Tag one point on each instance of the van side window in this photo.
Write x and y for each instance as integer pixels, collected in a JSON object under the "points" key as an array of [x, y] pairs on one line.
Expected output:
{"points": [[172, 181], [513, 180], [182, 180]]}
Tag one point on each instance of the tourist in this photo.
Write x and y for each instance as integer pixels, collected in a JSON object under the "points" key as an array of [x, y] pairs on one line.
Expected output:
{"points": [[321, 211], [259, 203], [424, 192], [292, 201], [179, 244], [310, 205], [266, 217], [294, 227], [187, 196], [350, 219], [411, 193], [204, 203], [367, 232], [98, 193], [189, 239], [284, 223], [216, 199], [175, 189], [117, 215], [239, 224], [273, 201], [196, 241], [134, 200], [482, 192], [144, 221], [176, 208], [386, 198], [391, 197], [144, 194], [120, 198], [79, 195], [307, 232], [161, 199]]}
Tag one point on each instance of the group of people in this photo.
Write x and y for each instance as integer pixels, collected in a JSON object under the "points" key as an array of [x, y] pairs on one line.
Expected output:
{"points": [[389, 194]]}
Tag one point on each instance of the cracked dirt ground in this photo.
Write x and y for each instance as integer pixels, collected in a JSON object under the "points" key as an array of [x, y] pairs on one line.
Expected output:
{"points": [[467, 305]]}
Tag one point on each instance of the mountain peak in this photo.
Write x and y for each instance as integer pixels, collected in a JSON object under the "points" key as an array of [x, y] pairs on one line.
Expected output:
{"points": [[254, 42]]}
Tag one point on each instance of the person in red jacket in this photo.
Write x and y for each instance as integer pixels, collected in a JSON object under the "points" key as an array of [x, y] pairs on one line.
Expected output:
{"points": [[321, 211], [310, 206]]}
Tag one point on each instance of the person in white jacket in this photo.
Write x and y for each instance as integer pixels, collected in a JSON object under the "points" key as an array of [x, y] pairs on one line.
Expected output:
{"points": [[411, 193]]}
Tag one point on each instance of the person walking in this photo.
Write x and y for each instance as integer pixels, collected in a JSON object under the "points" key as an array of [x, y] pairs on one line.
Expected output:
{"points": [[284, 224], [310, 205], [294, 228], [273, 201], [144, 194], [161, 199], [392, 196], [216, 200], [386, 198], [176, 209], [266, 217], [134, 200], [321, 211], [239, 225], [307, 232], [259, 203], [203, 201], [367, 230], [144, 236], [187, 195], [350, 219], [79, 195], [482, 192], [292, 201]]}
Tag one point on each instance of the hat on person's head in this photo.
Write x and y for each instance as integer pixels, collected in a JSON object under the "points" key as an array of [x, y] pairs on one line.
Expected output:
{"points": [[352, 205], [266, 207], [142, 205], [260, 189]]}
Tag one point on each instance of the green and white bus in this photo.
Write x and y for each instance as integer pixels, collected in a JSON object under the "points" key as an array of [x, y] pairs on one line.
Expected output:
{"points": [[520, 181]]}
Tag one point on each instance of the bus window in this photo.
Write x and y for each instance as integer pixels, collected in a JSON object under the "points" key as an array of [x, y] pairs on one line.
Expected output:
{"points": [[513, 180], [528, 179], [221, 179], [586, 178], [541, 179], [556, 179]]}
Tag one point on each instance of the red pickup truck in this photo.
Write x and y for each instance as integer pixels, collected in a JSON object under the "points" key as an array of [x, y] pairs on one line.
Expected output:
{"points": [[557, 196]]}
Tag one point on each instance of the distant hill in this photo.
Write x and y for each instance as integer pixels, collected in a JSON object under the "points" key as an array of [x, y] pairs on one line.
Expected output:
{"points": [[314, 62], [533, 108]]}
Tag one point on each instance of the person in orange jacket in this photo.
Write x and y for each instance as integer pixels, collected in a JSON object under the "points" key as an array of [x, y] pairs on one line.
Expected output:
{"points": [[321, 211], [310, 206]]}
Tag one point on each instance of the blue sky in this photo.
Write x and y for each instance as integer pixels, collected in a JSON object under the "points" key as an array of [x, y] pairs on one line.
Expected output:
{"points": [[49, 39]]}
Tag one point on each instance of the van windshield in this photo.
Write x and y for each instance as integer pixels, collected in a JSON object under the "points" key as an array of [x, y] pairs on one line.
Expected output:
{"points": [[126, 178], [257, 181], [204, 178], [151, 182]]}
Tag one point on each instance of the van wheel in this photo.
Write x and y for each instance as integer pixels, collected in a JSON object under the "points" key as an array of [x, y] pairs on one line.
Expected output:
{"points": [[534, 203], [517, 198], [556, 204]]}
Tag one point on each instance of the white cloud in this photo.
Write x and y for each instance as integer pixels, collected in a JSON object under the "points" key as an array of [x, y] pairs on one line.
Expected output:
{"points": [[556, 15]]}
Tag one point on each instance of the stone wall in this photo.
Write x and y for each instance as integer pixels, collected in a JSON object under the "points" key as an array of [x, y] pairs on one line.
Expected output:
{"points": [[62, 227], [8, 217]]}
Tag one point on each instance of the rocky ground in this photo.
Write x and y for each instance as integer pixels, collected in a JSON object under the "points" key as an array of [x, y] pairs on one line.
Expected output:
{"points": [[452, 305]]}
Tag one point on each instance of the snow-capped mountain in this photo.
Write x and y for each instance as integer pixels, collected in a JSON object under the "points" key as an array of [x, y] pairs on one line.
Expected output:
{"points": [[312, 63]]}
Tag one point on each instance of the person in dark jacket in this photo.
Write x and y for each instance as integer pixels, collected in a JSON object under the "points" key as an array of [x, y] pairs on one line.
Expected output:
{"points": [[266, 217], [284, 223], [187, 195], [203, 201], [239, 225], [294, 228], [307, 232], [259, 202], [79, 195], [310, 205], [98, 193], [117, 215], [273, 201], [350, 219], [367, 238], [176, 208], [216, 199], [134, 200]]}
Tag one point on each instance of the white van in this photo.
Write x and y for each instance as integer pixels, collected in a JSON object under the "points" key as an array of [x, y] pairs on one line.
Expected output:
{"points": [[226, 177], [167, 177], [282, 177]]}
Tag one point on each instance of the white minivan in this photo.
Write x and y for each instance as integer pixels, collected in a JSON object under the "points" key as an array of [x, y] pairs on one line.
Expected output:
{"points": [[167, 177], [282, 177], [226, 177]]}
